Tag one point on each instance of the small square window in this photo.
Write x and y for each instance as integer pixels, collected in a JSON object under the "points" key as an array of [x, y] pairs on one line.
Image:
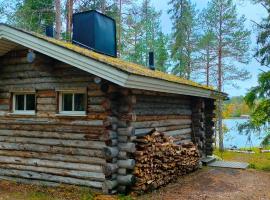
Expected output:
{"points": [[24, 103], [72, 103]]}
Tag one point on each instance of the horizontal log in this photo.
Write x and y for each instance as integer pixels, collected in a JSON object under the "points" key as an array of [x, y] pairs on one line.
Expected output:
{"points": [[48, 135], [127, 164], [96, 108], [122, 171], [47, 101], [46, 94], [98, 131], [61, 172], [162, 111], [160, 123], [96, 100], [128, 147], [30, 181], [163, 99], [123, 155], [4, 107], [160, 117], [49, 177], [178, 132], [158, 105], [55, 157], [52, 164], [44, 108], [4, 101], [55, 142], [50, 121], [52, 149], [129, 131], [145, 131]]}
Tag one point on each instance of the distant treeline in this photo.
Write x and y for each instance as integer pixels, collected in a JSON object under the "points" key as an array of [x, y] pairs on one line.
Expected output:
{"points": [[235, 107]]}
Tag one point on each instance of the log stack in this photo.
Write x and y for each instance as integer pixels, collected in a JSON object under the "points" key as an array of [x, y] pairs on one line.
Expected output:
{"points": [[159, 161]]}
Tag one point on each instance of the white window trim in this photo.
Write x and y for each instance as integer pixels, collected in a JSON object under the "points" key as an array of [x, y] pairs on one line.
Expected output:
{"points": [[21, 112], [71, 113]]}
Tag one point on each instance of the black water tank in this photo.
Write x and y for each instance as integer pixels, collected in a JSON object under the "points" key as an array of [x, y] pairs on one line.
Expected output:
{"points": [[95, 31]]}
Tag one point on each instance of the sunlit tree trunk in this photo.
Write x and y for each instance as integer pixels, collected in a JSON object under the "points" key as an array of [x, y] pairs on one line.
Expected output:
{"points": [[58, 22]]}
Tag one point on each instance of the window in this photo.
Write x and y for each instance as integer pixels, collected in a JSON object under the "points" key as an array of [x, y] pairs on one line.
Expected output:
{"points": [[24, 103], [72, 103]]}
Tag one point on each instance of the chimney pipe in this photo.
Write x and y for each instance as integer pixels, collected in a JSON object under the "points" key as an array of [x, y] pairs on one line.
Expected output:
{"points": [[49, 31], [151, 60]]}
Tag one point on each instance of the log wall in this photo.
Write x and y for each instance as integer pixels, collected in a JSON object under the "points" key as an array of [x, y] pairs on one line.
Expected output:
{"points": [[171, 114], [46, 147]]}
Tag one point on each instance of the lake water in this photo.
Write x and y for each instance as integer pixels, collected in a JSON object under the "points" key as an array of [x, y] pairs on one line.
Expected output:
{"points": [[234, 138]]}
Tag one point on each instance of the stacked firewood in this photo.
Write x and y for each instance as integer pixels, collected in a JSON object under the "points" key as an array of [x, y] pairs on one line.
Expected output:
{"points": [[159, 161]]}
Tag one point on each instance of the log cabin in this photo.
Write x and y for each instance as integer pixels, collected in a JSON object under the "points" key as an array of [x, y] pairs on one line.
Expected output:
{"points": [[69, 114]]}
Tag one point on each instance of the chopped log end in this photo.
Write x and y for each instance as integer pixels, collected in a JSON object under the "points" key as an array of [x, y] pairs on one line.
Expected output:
{"points": [[126, 180], [110, 152]]}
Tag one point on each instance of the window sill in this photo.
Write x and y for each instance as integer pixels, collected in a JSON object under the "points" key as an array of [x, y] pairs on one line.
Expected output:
{"points": [[70, 115], [22, 114]]}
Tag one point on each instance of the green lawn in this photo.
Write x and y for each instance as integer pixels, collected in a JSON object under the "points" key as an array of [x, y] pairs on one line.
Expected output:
{"points": [[260, 161]]}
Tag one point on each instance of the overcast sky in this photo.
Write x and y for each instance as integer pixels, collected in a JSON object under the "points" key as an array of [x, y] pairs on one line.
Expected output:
{"points": [[251, 11]]}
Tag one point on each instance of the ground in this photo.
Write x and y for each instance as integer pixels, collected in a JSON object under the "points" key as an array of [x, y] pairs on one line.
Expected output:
{"points": [[213, 184], [205, 184]]}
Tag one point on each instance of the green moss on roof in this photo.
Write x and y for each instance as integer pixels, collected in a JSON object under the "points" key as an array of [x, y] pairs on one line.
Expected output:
{"points": [[129, 67]]}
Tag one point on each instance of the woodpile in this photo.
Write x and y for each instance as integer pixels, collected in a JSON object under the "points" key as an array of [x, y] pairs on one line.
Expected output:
{"points": [[159, 161]]}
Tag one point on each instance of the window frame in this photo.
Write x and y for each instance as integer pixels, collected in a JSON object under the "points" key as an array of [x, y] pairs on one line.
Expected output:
{"points": [[23, 112], [71, 113]]}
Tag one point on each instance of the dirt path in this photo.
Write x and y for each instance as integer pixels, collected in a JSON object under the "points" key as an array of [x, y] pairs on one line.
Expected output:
{"points": [[216, 184], [206, 184]]}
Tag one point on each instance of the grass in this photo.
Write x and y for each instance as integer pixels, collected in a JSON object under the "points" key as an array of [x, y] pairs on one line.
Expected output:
{"points": [[11, 190], [259, 161]]}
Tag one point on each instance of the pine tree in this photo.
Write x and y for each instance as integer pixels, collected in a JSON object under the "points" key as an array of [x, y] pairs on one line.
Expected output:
{"points": [[161, 51], [232, 40], [258, 97], [31, 14], [183, 16]]}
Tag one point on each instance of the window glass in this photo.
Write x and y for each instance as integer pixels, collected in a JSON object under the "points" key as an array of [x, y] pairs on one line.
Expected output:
{"points": [[79, 102], [19, 102], [67, 102], [30, 102]]}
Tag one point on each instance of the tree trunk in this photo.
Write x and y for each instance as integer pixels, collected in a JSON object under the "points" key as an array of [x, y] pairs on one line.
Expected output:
{"points": [[58, 22], [120, 28], [220, 131], [207, 66], [69, 8]]}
